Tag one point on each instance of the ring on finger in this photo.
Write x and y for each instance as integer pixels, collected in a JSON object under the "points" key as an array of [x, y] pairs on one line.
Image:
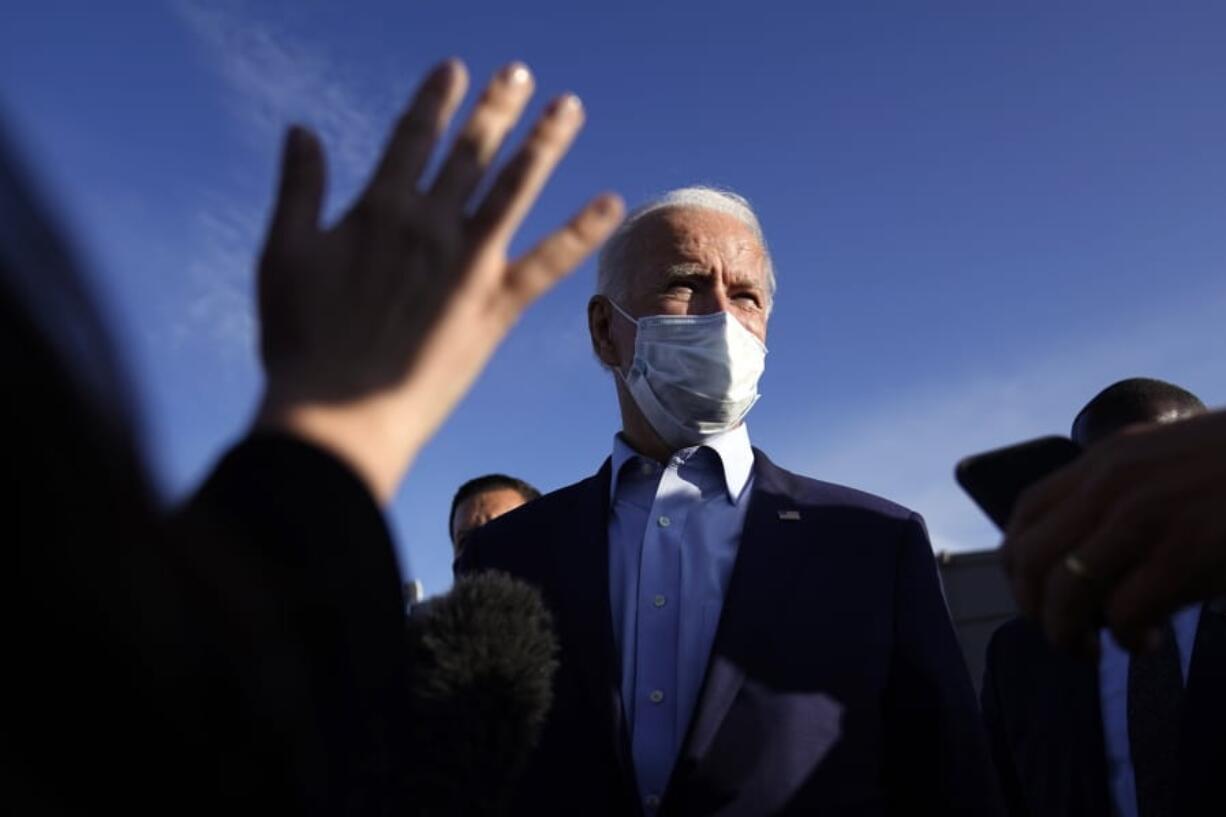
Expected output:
{"points": [[1076, 565]]}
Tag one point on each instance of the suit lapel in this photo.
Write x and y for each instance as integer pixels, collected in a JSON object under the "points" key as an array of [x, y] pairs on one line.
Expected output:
{"points": [[1203, 733], [757, 591], [582, 581]]}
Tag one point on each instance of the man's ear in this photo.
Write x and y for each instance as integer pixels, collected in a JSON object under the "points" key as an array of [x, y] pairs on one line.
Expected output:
{"points": [[600, 327]]}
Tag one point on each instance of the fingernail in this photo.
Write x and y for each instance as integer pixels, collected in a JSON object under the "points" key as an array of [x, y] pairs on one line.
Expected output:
{"points": [[605, 205], [567, 103], [444, 72], [517, 74]]}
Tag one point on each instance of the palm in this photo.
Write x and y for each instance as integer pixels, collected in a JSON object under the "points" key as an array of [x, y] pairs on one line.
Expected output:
{"points": [[406, 297]]}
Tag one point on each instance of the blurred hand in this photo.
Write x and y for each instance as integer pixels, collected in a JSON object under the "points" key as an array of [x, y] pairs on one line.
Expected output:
{"points": [[1145, 515], [374, 328]]}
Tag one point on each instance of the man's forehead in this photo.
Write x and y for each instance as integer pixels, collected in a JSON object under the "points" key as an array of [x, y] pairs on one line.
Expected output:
{"points": [[496, 495], [695, 235]]}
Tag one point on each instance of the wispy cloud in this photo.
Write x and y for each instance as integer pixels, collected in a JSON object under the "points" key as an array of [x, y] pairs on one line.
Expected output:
{"points": [[272, 78], [219, 308], [276, 79], [906, 449]]}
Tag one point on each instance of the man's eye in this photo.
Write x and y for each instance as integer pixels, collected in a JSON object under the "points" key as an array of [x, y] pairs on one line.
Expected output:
{"points": [[748, 298], [681, 289]]}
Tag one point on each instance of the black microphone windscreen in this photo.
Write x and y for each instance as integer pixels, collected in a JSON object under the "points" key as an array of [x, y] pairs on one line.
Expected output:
{"points": [[482, 659]]}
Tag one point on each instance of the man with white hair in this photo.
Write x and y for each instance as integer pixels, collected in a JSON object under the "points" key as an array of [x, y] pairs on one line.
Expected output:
{"points": [[735, 639]]}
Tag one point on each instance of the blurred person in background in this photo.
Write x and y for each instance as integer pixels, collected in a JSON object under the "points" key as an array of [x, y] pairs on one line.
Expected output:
{"points": [[1124, 548], [484, 498]]}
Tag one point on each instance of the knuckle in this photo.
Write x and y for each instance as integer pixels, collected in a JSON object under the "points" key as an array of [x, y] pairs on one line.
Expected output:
{"points": [[478, 139], [550, 137]]}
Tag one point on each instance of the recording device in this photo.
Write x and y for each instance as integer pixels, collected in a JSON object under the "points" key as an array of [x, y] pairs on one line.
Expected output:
{"points": [[996, 479], [482, 659]]}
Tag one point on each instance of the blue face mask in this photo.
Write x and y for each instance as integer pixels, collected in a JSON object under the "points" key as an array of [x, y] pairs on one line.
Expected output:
{"points": [[693, 376]]}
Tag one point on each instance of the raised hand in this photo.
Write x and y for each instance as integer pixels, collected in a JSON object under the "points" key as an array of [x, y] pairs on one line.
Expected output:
{"points": [[1143, 515], [374, 328]]}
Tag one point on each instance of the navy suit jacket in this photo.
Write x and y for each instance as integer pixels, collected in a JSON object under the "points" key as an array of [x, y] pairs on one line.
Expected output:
{"points": [[835, 684], [1043, 713]]}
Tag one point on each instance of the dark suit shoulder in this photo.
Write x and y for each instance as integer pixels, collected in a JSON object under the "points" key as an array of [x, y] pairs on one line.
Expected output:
{"points": [[514, 541], [552, 509], [860, 529]]}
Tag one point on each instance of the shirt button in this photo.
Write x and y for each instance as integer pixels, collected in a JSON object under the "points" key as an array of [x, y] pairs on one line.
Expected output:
{"points": [[659, 601], [656, 696], [652, 801], [664, 521], [645, 469]]}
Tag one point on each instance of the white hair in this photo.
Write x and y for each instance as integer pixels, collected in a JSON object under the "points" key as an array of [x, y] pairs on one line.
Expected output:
{"points": [[611, 275]]}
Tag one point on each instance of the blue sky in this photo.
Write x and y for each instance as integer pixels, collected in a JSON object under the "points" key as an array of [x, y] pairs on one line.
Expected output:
{"points": [[980, 213]]}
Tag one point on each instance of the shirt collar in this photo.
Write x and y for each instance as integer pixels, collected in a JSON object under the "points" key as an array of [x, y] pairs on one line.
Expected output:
{"points": [[732, 448]]}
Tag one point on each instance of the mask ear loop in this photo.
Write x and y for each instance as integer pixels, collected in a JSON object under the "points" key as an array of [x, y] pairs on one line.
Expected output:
{"points": [[623, 312], [634, 322]]}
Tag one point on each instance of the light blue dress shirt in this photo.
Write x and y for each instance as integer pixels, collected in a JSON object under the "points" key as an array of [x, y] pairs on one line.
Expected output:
{"points": [[1113, 695], [674, 530]]}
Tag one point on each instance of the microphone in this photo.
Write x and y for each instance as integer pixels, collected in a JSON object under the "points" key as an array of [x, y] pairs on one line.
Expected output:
{"points": [[481, 665], [414, 594]]}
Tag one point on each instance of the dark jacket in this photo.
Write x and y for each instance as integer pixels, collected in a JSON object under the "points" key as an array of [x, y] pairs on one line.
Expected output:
{"points": [[835, 685], [1043, 713]]}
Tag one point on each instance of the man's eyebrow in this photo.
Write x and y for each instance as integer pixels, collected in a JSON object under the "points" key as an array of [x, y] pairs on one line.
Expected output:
{"points": [[688, 269], [692, 270]]}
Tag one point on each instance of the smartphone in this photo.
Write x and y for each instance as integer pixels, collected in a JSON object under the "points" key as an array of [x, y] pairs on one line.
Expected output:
{"points": [[995, 479]]}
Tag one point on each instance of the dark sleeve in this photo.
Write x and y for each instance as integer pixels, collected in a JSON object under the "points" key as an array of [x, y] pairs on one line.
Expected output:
{"points": [[301, 598], [936, 759], [993, 719]]}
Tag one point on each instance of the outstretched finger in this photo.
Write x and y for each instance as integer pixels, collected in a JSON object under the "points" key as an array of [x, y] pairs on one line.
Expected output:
{"points": [[520, 182], [301, 190], [492, 119], [1031, 508], [560, 252], [418, 129], [1078, 583], [1035, 551]]}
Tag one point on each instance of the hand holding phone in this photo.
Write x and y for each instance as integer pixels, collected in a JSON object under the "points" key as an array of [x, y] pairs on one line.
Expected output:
{"points": [[996, 479]]}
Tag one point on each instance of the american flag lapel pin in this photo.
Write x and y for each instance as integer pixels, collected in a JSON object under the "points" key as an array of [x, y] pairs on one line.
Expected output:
{"points": [[790, 516]]}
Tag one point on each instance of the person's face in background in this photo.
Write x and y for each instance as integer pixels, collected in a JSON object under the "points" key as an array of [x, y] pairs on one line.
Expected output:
{"points": [[691, 261], [480, 508]]}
